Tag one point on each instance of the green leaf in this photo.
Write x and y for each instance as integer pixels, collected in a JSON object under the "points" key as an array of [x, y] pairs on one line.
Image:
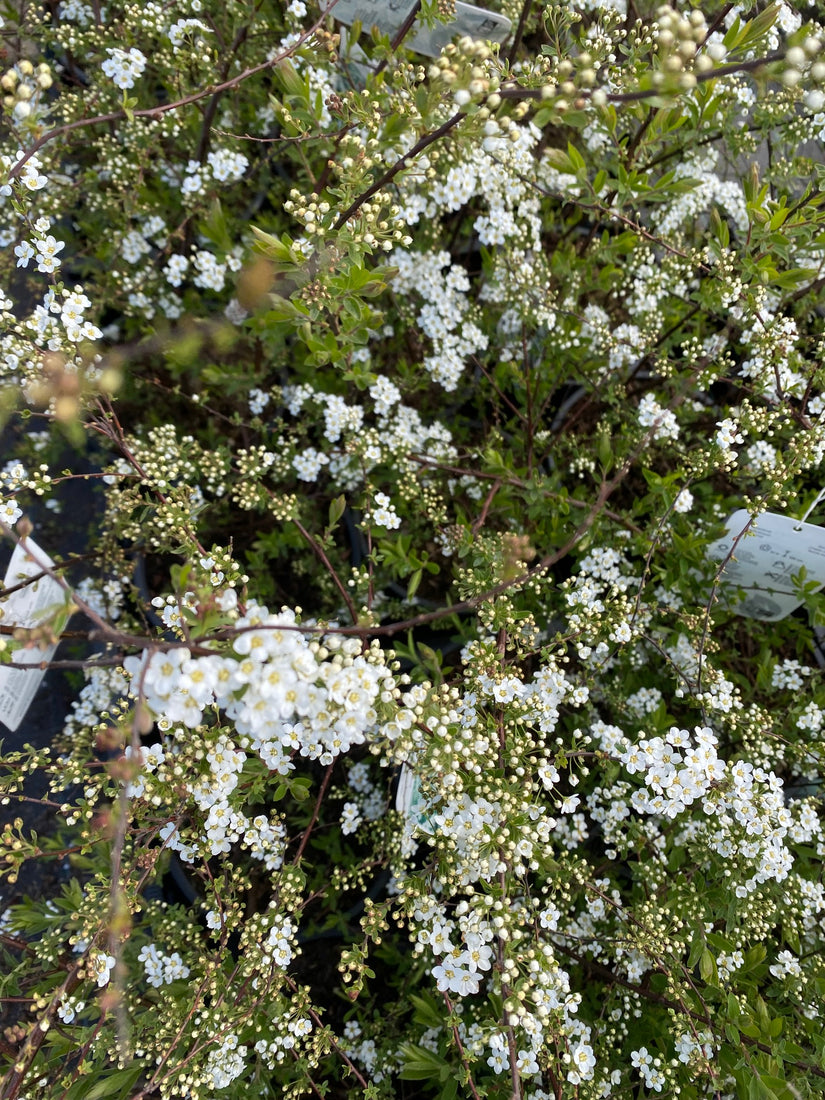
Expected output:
{"points": [[576, 159], [707, 966], [115, 1085], [420, 1064], [757, 1090], [697, 946], [215, 228], [450, 1090], [794, 277], [299, 789], [337, 507], [281, 309], [414, 582], [732, 1035]]}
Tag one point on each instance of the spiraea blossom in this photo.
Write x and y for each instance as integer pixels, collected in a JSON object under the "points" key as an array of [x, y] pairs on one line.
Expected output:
{"points": [[124, 66], [417, 741]]}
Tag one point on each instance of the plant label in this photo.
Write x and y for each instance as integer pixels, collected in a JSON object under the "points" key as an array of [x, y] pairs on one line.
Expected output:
{"points": [[27, 607], [389, 16], [408, 799], [765, 559]]}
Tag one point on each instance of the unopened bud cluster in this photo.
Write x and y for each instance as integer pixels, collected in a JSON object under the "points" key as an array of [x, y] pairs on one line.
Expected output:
{"points": [[379, 225], [802, 60], [465, 66], [24, 85], [680, 42]]}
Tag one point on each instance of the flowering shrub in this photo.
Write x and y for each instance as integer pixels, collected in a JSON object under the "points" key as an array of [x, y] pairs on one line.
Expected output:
{"points": [[429, 739]]}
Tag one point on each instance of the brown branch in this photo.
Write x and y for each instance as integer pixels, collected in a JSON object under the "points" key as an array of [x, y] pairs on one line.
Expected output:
{"points": [[399, 37], [318, 550], [163, 108], [515, 91], [519, 35], [422, 144], [315, 812]]}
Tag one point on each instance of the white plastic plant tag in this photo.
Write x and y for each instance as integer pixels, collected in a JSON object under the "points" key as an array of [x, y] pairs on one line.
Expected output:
{"points": [[488, 26], [387, 15], [390, 15], [408, 800], [27, 607], [766, 558]]}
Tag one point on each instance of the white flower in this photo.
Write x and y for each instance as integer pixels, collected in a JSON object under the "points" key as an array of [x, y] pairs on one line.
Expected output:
{"points": [[728, 434], [124, 66], [182, 29], [308, 465], [684, 501], [9, 512], [549, 918], [24, 253], [101, 968], [70, 1009], [652, 415], [640, 1058], [227, 167], [350, 818], [384, 514]]}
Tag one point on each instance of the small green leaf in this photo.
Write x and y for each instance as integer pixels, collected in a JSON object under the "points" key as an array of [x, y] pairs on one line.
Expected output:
{"points": [[414, 582], [707, 966], [337, 507], [697, 946]]}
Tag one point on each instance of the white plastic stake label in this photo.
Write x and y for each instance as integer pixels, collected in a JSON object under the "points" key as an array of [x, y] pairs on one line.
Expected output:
{"points": [[27, 607], [408, 800], [764, 560], [389, 16]]}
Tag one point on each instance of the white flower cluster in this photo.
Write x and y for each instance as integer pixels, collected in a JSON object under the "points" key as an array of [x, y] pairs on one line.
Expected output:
{"points": [[124, 66], [745, 807], [649, 1067], [185, 31], [285, 694], [708, 190], [222, 166], [464, 944], [161, 969], [786, 966], [445, 316], [602, 581], [398, 432], [30, 177], [291, 1031], [226, 1063], [654, 416], [500, 171], [45, 249], [69, 1009], [383, 513], [776, 365], [309, 464], [789, 675], [101, 966], [690, 1047]]}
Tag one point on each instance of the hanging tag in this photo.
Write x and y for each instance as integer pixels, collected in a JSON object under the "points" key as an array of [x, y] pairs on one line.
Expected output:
{"points": [[408, 799], [764, 560], [27, 607], [390, 15], [488, 26]]}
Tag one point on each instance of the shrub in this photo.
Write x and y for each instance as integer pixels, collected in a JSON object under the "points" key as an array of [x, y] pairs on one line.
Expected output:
{"points": [[444, 729]]}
